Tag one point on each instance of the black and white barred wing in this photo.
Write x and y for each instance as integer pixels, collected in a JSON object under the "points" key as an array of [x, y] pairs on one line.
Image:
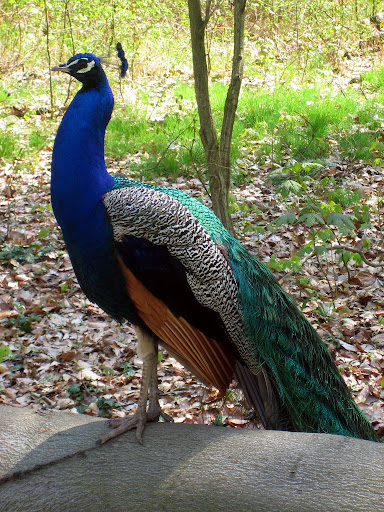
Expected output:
{"points": [[177, 274]]}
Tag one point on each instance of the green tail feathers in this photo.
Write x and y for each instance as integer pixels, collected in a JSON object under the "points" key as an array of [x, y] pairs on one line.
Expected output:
{"points": [[308, 384]]}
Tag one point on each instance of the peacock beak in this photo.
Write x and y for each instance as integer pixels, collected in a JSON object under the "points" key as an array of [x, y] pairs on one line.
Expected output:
{"points": [[62, 67]]}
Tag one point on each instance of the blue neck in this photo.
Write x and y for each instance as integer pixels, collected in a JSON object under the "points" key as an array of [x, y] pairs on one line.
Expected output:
{"points": [[79, 175]]}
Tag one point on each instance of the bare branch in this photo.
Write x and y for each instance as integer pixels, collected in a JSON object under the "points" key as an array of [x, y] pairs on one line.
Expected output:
{"points": [[352, 249], [207, 10], [209, 13]]}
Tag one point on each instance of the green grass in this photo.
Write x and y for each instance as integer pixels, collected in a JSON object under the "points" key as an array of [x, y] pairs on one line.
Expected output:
{"points": [[3, 95], [167, 144], [309, 123], [37, 140], [171, 137], [14, 147], [374, 79], [9, 147], [158, 131], [20, 134]]}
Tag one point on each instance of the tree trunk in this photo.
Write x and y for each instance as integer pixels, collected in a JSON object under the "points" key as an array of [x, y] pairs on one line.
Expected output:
{"points": [[218, 156]]}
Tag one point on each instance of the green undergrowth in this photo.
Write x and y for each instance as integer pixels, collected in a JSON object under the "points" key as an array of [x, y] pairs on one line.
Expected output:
{"points": [[310, 122], [168, 146], [337, 224], [157, 131], [162, 129], [25, 125]]}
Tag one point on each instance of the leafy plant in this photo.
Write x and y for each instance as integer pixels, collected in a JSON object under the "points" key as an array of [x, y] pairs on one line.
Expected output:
{"points": [[4, 352], [83, 394], [328, 213], [22, 321], [107, 370], [128, 371], [76, 391], [25, 254], [105, 405]]}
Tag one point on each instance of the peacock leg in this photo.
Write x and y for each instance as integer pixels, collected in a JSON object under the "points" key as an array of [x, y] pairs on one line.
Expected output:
{"points": [[154, 411], [147, 351]]}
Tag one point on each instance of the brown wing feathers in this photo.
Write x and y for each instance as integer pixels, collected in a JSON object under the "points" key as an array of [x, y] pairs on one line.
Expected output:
{"points": [[209, 360]]}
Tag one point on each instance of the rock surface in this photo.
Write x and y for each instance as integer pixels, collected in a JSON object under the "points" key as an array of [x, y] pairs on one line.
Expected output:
{"points": [[49, 462]]}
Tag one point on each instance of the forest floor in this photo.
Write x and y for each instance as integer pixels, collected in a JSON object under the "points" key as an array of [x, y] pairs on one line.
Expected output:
{"points": [[68, 355]]}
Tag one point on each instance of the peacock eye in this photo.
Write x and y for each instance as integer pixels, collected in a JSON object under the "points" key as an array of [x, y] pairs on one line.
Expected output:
{"points": [[83, 63]]}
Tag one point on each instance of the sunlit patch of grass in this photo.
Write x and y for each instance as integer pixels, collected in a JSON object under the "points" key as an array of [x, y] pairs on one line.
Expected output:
{"points": [[9, 147], [161, 128], [168, 142], [309, 123], [165, 139], [4, 95], [374, 79], [37, 140]]}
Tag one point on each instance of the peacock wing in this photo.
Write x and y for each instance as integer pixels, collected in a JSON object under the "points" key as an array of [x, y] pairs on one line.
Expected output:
{"points": [[178, 279]]}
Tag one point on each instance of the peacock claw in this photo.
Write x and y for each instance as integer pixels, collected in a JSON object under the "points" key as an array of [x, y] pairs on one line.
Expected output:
{"points": [[154, 412], [138, 421], [121, 425]]}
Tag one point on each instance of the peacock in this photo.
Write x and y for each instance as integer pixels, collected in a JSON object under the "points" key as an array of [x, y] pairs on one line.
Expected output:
{"points": [[161, 260]]}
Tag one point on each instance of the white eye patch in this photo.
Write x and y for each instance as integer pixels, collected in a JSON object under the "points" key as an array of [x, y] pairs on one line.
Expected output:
{"points": [[89, 66]]}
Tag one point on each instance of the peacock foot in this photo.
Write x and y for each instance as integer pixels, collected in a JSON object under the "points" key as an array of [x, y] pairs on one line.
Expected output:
{"points": [[121, 425], [154, 412], [138, 421]]}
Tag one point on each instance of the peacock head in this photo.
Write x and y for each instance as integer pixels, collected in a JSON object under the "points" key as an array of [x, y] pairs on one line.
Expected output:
{"points": [[85, 67]]}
